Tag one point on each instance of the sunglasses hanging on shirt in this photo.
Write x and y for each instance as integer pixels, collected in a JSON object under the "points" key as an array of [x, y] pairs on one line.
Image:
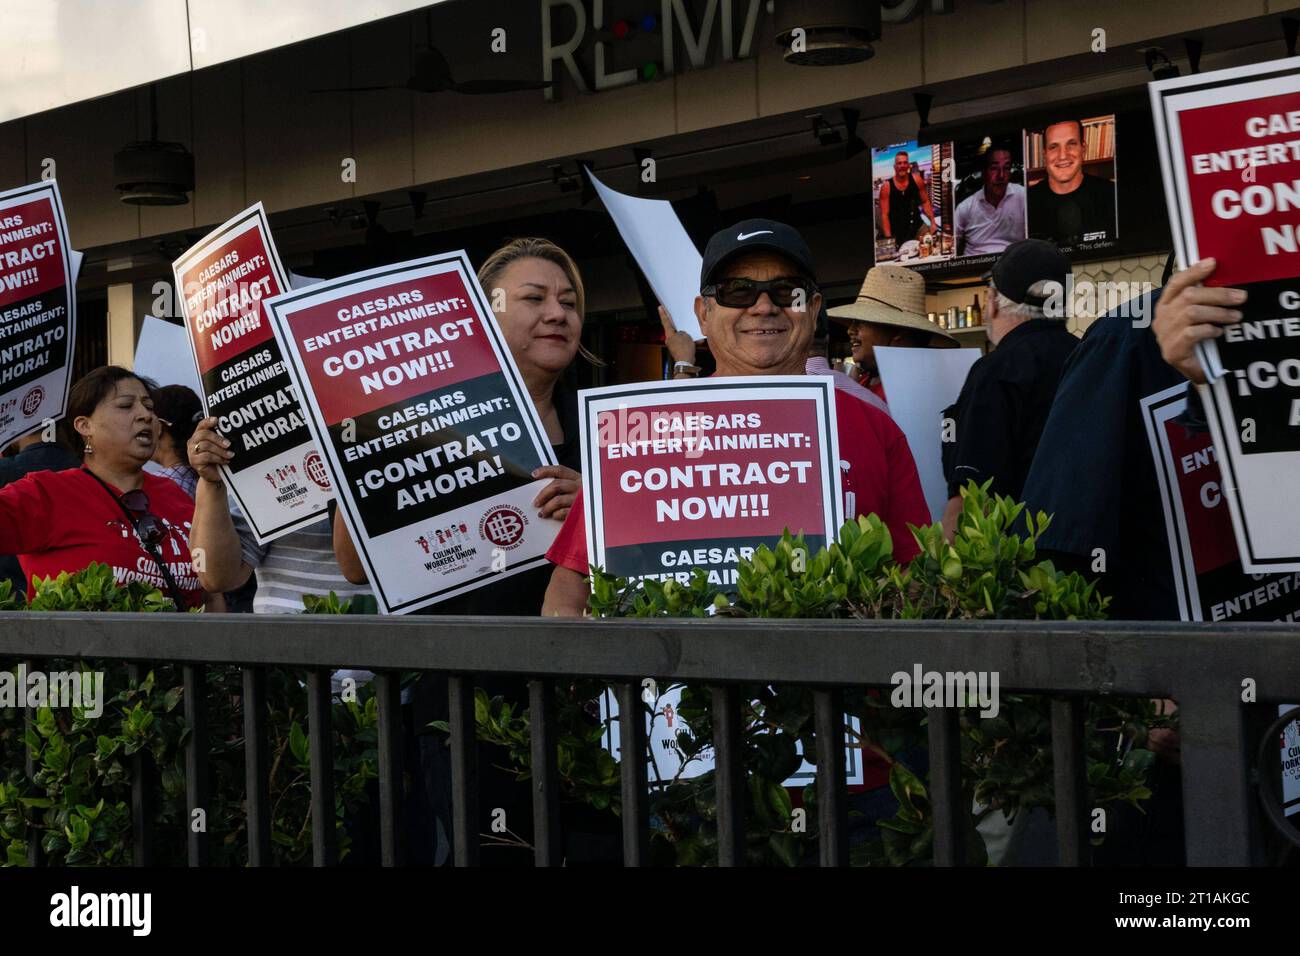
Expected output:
{"points": [[148, 529]]}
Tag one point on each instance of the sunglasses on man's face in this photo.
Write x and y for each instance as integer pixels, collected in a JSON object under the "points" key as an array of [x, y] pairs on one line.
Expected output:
{"points": [[147, 526], [740, 293]]}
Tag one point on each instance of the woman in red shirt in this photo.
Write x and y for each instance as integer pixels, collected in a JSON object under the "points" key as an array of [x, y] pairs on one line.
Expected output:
{"points": [[109, 510]]}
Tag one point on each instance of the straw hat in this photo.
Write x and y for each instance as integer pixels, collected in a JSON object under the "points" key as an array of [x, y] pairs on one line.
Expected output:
{"points": [[893, 295]]}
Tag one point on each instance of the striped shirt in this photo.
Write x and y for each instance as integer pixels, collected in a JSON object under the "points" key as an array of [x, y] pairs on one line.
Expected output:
{"points": [[819, 365], [301, 562], [183, 475]]}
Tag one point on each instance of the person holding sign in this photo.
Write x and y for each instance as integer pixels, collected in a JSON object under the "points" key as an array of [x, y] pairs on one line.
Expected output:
{"points": [[758, 308], [110, 509], [540, 292], [1189, 312], [538, 300]]}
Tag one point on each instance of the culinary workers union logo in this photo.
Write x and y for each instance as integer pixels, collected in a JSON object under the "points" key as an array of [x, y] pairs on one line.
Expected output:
{"points": [[32, 401], [315, 468], [503, 526]]}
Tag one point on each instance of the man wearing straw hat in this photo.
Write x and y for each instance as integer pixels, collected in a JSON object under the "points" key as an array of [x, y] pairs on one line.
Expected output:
{"points": [[889, 311]]}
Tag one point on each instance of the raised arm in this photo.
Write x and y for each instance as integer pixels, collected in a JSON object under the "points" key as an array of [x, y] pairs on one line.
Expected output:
{"points": [[214, 543], [345, 552], [566, 596]]}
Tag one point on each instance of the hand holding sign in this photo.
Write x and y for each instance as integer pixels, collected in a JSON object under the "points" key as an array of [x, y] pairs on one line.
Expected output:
{"points": [[208, 450], [680, 345], [1189, 312], [557, 498]]}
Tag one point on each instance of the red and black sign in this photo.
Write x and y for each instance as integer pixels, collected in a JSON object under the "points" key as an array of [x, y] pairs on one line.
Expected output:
{"points": [[1230, 156], [37, 309], [425, 425], [1209, 579], [698, 474], [222, 282]]}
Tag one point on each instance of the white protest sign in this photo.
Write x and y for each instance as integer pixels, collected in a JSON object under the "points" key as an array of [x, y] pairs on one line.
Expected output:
{"points": [[662, 249], [162, 353], [670, 765], [920, 384]]}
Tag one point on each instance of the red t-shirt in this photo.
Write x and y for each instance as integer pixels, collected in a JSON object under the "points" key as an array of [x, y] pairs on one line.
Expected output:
{"points": [[64, 520], [877, 475]]}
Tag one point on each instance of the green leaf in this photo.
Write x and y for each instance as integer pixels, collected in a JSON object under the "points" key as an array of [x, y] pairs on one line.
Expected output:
{"points": [[298, 744]]}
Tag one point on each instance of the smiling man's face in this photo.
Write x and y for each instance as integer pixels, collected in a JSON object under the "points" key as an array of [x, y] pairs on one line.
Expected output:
{"points": [[763, 339], [1063, 145]]}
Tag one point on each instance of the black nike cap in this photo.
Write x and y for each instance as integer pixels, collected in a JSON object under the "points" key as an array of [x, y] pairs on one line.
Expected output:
{"points": [[754, 234]]}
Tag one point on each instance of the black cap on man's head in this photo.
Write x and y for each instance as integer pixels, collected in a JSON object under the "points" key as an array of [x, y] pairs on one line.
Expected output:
{"points": [[1024, 263], [755, 234]]}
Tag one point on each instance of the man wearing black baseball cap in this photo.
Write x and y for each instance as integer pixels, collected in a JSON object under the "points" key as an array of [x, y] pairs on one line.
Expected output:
{"points": [[1003, 405], [758, 307]]}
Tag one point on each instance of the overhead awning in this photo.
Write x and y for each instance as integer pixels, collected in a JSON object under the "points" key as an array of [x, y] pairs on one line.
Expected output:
{"points": [[56, 52]]}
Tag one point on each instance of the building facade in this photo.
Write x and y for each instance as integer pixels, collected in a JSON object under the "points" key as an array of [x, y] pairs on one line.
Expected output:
{"points": [[688, 100]]}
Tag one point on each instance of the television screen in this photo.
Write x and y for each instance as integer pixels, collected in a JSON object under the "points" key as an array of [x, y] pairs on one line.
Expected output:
{"points": [[951, 207], [912, 203], [990, 197], [1071, 182]]}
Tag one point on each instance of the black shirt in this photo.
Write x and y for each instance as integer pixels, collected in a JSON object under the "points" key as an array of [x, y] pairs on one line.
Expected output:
{"points": [[42, 456], [1003, 406], [904, 210], [1095, 474], [521, 594], [1085, 214]]}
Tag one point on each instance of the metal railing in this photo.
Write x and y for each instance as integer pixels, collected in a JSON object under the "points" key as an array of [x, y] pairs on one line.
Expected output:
{"points": [[1201, 666]]}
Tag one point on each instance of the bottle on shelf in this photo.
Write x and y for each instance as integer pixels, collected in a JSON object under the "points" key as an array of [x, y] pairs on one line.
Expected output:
{"points": [[977, 314]]}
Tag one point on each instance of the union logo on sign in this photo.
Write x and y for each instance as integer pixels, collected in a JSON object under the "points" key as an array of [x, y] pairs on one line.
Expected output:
{"points": [[503, 526], [32, 401], [315, 468]]}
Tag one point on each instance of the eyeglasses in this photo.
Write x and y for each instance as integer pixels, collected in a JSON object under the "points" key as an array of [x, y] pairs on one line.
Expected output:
{"points": [[147, 526], [740, 293]]}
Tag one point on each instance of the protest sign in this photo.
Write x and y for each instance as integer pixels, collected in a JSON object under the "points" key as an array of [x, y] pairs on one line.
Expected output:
{"points": [[162, 353], [661, 247], [687, 474], [665, 726], [1229, 144], [921, 383], [38, 309], [276, 475], [427, 429], [1208, 577]]}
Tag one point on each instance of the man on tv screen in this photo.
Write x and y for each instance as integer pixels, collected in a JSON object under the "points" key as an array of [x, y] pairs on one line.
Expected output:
{"points": [[901, 201], [1069, 206], [992, 217]]}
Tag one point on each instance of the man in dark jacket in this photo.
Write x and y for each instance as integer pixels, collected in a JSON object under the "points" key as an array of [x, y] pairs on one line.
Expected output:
{"points": [[1004, 403]]}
